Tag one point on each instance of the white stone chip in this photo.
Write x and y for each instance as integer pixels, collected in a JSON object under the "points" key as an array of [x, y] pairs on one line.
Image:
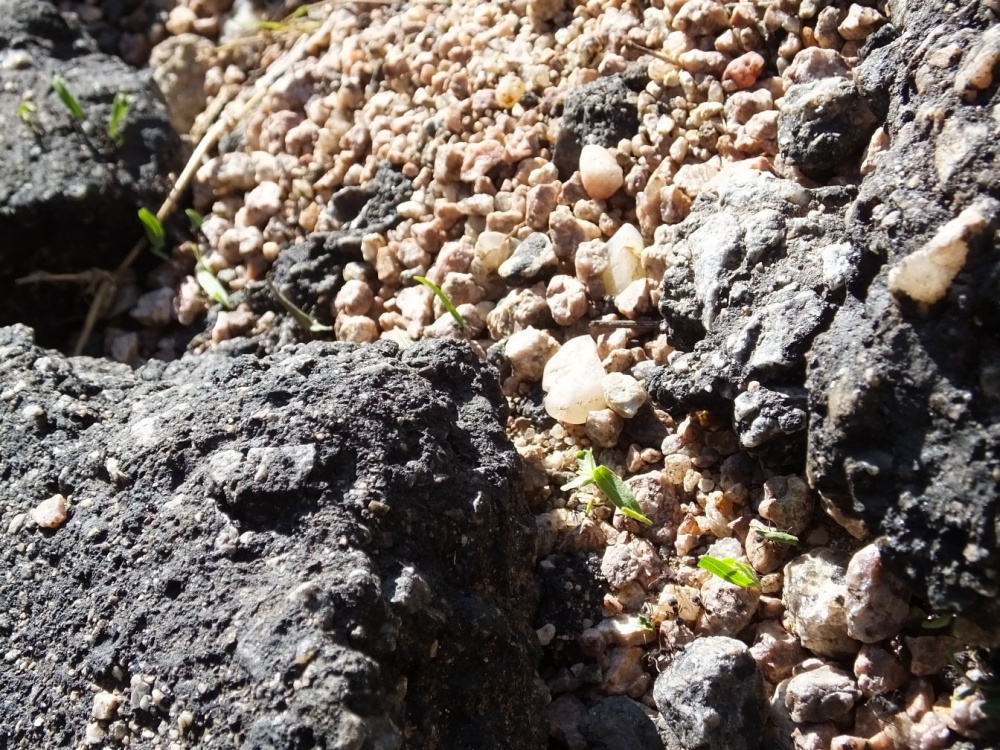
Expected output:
{"points": [[51, 513], [623, 393], [572, 381], [600, 172]]}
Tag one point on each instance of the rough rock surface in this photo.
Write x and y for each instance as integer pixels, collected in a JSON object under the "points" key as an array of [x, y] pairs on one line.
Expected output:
{"points": [[745, 293], [778, 298], [905, 402], [600, 113], [322, 548], [712, 696], [68, 193]]}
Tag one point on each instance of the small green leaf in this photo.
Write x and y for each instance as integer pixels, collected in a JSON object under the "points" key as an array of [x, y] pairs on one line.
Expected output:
{"points": [[64, 94], [645, 623], [301, 317], [729, 569], [619, 494], [778, 537], [444, 300], [26, 113], [154, 233], [937, 622], [211, 285], [195, 218], [119, 111]]}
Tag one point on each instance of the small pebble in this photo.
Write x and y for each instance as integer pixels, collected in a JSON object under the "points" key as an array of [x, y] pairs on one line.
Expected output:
{"points": [[51, 513], [623, 393], [601, 174]]}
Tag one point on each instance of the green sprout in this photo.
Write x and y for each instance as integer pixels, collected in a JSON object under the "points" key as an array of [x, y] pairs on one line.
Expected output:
{"points": [[300, 315], [937, 622], [195, 218], [645, 617], [208, 281], [731, 570], [778, 537], [588, 472], [285, 24], [154, 233], [119, 111], [63, 92], [448, 305], [26, 113]]}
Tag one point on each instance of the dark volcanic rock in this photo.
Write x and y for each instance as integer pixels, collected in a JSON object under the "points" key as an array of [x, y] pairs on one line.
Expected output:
{"points": [[905, 398], [755, 272], [68, 194], [823, 123], [618, 723], [601, 113], [323, 548], [712, 696]]}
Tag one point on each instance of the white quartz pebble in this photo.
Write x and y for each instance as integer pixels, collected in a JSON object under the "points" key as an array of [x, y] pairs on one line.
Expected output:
{"points": [[602, 176], [572, 381], [624, 260]]}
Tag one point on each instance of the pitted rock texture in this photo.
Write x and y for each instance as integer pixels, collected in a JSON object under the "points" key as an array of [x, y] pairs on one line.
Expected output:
{"points": [[326, 547], [779, 299], [68, 193], [905, 399], [745, 292]]}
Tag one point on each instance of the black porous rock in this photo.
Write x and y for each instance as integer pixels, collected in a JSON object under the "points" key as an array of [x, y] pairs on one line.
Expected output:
{"points": [[712, 697], [533, 260], [601, 113], [754, 273], [618, 723], [326, 547], [68, 193], [823, 123], [904, 398]]}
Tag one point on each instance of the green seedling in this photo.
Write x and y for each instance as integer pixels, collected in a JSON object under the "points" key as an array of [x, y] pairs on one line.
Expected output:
{"points": [[731, 570], [287, 21], [645, 617], [448, 305], [937, 622], [778, 537], [588, 472], [155, 233], [300, 315], [119, 111], [208, 281], [26, 113], [195, 218], [67, 98]]}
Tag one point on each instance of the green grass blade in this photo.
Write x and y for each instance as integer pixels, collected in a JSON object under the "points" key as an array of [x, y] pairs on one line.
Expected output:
{"points": [[728, 569], [154, 233], [211, 285], [444, 300], [195, 218], [67, 98], [779, 537], [119, 111], [619, 494]]}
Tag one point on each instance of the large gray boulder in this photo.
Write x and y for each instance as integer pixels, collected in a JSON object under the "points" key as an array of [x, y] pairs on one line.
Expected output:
{"points": [[326, 547]]}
